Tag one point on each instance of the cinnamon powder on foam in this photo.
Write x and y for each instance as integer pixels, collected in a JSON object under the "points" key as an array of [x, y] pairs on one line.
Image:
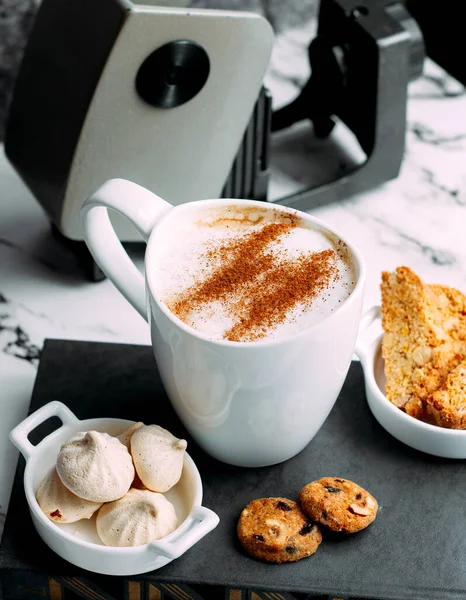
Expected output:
{"points": [[255, 286]]}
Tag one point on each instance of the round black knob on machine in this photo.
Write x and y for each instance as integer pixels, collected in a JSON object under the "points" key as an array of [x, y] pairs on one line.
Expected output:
{"points": [[173, 74]]}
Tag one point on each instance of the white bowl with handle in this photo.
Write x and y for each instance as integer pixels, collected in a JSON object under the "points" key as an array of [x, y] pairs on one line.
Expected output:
{"points": [[78, 542], [431, 439]]}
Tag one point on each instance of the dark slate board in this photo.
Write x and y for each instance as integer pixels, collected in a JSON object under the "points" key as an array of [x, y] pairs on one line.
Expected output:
{"points": [[415, 549]]}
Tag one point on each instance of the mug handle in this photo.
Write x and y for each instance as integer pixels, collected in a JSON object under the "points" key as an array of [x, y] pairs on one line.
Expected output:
{"points": [[142, 209]]}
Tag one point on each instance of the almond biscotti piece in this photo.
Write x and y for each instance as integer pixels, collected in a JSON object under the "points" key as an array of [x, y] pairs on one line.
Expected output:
{"points": [[425, 337], [448, 310], [447, 406]]}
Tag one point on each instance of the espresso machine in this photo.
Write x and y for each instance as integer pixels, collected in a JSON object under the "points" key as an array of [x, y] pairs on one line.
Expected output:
{"points": [[172, 98], [157, 94]]}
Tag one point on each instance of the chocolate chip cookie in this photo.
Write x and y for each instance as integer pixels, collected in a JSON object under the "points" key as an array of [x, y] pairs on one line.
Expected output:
{"points": [[276, 530], [339, 504]]}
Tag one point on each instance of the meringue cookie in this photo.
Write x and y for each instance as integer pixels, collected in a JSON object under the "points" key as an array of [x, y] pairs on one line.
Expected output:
{"points": [[61, 505], [158, 457], [140, 517], [95, 466], [125, 437]]}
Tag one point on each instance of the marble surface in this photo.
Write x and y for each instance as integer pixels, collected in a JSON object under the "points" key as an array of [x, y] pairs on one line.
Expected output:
{"points": [[417, 219]]}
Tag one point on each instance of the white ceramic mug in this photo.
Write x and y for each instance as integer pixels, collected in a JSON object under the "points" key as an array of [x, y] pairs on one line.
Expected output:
{"points": [[246, 403]]}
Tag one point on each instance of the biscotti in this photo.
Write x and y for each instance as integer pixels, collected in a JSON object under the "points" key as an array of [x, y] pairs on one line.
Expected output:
{"points": [[424, 340], [447, 406]]}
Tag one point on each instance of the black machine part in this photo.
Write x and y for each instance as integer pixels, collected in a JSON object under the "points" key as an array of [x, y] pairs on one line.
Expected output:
{"points": [[362, 60], [442, 27]]}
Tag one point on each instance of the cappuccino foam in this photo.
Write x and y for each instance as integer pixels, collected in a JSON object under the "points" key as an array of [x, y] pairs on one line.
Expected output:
{"points": [[243, 273]]}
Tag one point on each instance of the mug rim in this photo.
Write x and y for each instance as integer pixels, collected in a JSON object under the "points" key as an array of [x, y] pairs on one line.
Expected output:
{"points": [[151, 284]]}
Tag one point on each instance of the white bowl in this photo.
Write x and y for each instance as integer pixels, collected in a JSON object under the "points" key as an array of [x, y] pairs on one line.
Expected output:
{"points": [[431, 439], [78, 542]]}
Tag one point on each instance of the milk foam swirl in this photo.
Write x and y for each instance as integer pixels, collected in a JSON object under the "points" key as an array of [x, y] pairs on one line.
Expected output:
{"points": [[246, 274]]}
